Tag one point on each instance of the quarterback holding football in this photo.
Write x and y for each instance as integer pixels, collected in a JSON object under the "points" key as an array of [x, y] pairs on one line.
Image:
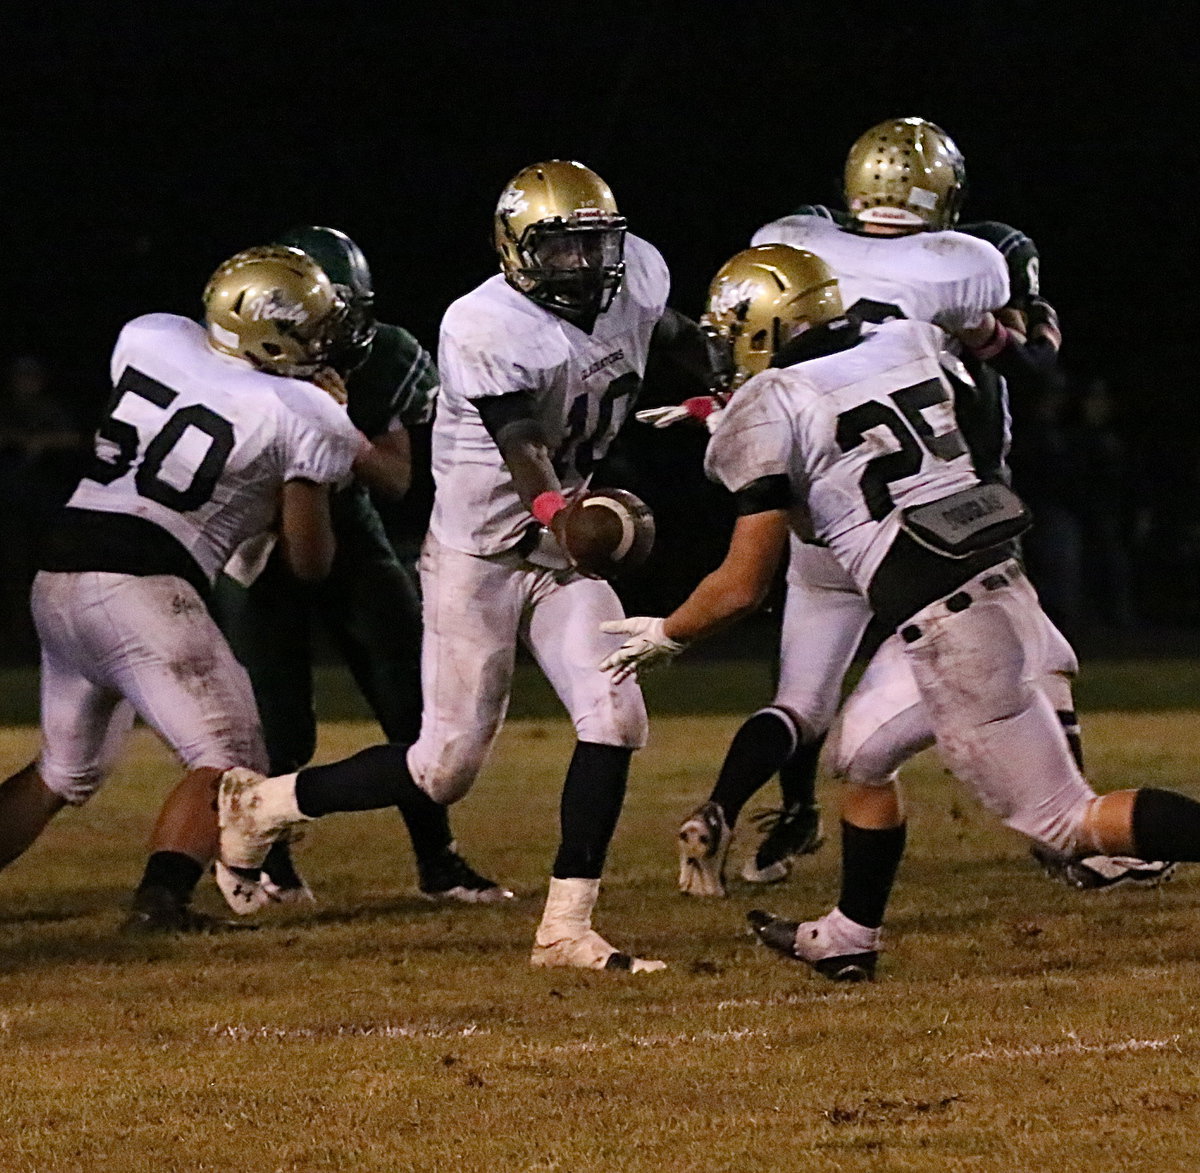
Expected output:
{"points": [[540, 364]]}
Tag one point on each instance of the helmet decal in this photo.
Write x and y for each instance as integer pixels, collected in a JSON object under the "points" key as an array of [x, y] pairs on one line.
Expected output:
{"points": [[731, 295], [512, 202], [274, 306]]}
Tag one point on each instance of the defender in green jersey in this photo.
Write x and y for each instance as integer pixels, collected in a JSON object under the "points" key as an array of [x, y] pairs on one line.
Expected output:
{"points": [[368, 605]]}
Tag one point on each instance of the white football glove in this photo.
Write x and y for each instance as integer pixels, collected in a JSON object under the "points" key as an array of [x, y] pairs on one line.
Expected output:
{"points": [[646, 646]]}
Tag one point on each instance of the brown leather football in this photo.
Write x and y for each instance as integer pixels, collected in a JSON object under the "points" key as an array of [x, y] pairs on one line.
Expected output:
{"points": [[607, 532]]}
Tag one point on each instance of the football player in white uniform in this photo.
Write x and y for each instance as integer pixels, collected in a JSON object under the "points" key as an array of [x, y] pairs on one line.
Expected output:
{"points": [[540, 366], [853, 440], [213, 434], [895, 257]]}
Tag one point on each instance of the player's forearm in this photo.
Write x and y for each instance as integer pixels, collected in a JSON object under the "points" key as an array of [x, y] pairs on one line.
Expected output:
{"points": [[528, 460], [390, 463], [306, 530], [721, 599]]}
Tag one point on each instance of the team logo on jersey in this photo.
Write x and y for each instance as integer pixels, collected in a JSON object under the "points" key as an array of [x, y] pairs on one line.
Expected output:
{"points": [[601, 363], [274, 306], [512, 202], [731, 295]]}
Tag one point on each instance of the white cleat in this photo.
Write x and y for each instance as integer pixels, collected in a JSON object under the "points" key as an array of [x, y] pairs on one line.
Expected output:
{"points": [[253, 811], [566, 939], [704, 840], [243, 891], [589, 951]]}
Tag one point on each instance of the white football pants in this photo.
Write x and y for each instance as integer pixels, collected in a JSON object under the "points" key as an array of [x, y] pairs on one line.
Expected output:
{"points": [[116, 644], [824, 617], [985, 682], [476, 609]]}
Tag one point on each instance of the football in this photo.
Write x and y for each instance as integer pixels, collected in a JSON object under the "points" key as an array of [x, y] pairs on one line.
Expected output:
{"points": [[607, 532]]}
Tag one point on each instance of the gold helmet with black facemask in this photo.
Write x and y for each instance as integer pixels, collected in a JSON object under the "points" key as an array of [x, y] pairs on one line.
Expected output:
{"points": [[905, 173], [763, 297], [561, 239], [274, 307]]}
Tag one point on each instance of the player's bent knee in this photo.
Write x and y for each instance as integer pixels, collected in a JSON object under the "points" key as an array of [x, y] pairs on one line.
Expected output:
{"points": [[616, 716], [449, 774], [74, 789]]}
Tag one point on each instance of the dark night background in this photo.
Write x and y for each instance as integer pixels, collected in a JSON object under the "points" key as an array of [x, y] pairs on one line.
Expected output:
{"points": [[144, 144]]}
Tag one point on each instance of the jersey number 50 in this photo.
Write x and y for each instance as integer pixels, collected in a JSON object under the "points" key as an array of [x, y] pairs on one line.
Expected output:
{"points": [[148, 479]]}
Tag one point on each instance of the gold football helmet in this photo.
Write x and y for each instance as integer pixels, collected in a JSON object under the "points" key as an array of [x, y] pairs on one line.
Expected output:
{"points": [[275, 307], [907, 173], [765, 296], [561, 239]]}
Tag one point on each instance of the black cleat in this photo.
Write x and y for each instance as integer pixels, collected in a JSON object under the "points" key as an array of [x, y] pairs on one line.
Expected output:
{"points": [[788, 834], [808, 942], [1100, 873], [447, 878], [155, 910]]}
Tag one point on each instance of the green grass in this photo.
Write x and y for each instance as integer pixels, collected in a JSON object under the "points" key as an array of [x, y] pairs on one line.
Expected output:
{"points": [[706, 685], [1016, 1025]]}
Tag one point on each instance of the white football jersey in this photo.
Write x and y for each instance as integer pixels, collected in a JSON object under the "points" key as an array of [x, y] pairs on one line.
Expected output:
{"points": [[860, 435], [199, 443], [947, 278], [495, 341]]}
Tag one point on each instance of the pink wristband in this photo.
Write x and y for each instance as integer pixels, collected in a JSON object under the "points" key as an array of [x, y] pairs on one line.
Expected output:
{"points": [[546, 505]]}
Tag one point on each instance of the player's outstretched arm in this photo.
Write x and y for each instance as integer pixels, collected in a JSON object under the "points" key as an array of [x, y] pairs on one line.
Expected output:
{"points": [[731, 592], [305, 530]]}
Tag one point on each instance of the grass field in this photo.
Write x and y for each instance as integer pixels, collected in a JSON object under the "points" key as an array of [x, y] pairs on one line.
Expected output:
{"points": [[1016, 1025]]}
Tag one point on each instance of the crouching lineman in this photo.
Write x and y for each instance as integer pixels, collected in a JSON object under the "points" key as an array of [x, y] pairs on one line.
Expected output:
{"points": [[540, 366], [853, 441], [210, 433]]}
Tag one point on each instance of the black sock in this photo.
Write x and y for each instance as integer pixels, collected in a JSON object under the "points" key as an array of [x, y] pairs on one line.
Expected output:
{"points": [[1070, 723], [798, 775], [1166, 825], [870, 859], [369, 780], [173, 871], [591, 801], [428, 827], [759, 748]]}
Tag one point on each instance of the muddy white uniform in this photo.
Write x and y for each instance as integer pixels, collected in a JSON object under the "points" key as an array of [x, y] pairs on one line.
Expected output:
{"points": [[944, 277], [856, 437], [190, 461], [481, 593]]}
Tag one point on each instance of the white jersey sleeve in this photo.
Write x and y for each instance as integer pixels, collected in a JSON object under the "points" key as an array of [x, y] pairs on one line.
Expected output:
{"points": [[754, 438], [318, 441]]}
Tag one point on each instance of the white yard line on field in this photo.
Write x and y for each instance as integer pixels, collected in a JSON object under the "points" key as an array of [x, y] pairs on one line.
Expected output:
{"points": [[1072, 1047]]}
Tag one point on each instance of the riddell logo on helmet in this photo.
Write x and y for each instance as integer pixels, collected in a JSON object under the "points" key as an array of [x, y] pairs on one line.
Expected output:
{"points": [[274, 307]]}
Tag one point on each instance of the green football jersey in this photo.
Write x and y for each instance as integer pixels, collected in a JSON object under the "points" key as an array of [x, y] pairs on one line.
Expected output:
{"points": [[398, 380]]}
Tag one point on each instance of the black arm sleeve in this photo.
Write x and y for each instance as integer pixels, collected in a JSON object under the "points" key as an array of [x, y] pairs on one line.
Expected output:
{"points": [[1027, 366], [679, 342], [763, 495], [500, 412]]}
